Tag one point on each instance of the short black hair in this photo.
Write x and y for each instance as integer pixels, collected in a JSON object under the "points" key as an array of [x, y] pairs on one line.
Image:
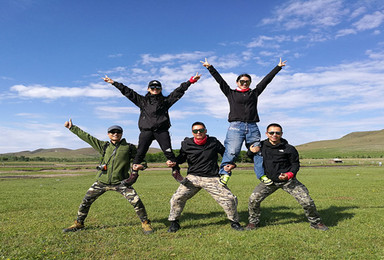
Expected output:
{"points": [[275, 125], [244, 75], [198, 123]]}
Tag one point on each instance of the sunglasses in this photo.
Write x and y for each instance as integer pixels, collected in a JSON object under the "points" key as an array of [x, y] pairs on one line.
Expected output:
{"points": [[246, 82], [115, 132], [155, 87], [201, 130], [276, 133]]}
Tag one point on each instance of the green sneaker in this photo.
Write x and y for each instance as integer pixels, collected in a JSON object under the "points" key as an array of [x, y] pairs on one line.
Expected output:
{"points": [[75, 227], [267, 181], [224, 179]]}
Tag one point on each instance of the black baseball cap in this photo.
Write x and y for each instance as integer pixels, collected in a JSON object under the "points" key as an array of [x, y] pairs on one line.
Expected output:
{"points": [[154, 83]]}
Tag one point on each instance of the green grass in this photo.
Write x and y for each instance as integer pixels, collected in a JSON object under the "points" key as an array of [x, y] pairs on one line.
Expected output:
{"points": [[350, 200]]}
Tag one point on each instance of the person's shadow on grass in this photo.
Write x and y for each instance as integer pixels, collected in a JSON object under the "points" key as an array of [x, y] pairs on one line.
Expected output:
{"points": [[269, 216], [284, 215]]}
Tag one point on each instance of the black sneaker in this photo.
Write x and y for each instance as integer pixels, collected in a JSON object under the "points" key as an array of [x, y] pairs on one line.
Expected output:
{"points": [[174, 227], [319, 226], [236, 226]]}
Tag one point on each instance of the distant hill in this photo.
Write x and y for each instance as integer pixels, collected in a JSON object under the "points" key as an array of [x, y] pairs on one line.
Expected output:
{"points": [[356, 145], [64, 153]]}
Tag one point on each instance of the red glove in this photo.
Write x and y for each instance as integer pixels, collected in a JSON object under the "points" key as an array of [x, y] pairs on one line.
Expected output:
{"points": [[192, 80], [290, 175]]}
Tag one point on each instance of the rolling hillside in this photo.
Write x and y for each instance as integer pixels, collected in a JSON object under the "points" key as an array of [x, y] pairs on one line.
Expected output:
{"points": [[64, 153], [354, 145]]}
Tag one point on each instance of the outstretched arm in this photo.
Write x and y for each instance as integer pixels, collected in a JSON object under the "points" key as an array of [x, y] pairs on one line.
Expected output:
{"points": [[268, 78], [178, 93], [216, 75], [127, 92], [97, 144]]}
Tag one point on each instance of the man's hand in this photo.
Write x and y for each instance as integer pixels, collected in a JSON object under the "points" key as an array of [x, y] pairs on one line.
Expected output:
{"points": [[228, 168], [68, 124], [281, 63], [205, 63], [171, 164], [108, 80], [286, 176], [254, 148], [137, 167]]}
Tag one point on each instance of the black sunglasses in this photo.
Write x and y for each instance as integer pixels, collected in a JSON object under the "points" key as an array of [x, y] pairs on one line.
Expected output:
{"points": [[272, 133], [115, 132], [246, 82], [201, 130], [155, 87]]}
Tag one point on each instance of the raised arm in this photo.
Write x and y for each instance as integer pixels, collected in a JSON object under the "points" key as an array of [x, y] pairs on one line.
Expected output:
{"points": [[180, 91], [216, 75], [269, 77], [126, 91], [97, 144]]}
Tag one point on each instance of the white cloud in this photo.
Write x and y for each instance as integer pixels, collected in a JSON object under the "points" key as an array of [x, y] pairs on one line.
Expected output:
{"points": [[173, 58], [345, 32], [315, 13], [370, 21], [118, 55], [359, 11], [28, 115], [114, 112], [42, 92], [265, 41]]}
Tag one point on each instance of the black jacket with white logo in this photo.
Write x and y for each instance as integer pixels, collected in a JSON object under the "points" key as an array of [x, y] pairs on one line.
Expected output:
{"points": [[280, 158]]}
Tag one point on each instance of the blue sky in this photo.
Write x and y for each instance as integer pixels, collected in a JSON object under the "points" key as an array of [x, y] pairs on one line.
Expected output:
{"points": [[54, 53]]}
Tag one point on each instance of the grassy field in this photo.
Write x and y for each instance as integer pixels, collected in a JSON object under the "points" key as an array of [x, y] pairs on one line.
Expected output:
{"points": [[33, 212]]}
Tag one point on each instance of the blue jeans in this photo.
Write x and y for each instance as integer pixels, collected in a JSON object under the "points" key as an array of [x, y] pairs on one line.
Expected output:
{"points": [[237, 133]]}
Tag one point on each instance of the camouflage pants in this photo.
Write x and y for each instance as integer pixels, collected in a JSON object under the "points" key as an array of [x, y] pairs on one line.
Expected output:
{"points": [[294, 188], [97, 189], [220, 193]]}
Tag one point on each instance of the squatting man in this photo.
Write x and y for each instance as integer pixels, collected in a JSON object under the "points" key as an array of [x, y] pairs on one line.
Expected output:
{"points": [[281, 164], [201, 153]]}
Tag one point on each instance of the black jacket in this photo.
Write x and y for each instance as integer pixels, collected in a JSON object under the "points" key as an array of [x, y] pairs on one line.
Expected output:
{"points": [[243, 105], [279, 158], [153, 108], [202, 159]]}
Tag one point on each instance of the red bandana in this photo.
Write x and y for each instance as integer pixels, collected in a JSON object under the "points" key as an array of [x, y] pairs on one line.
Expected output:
{"points": [[200, 142], [242, 89]]}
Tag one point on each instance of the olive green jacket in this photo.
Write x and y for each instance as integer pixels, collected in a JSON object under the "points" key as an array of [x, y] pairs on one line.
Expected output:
{"points": [[118, 163]]}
